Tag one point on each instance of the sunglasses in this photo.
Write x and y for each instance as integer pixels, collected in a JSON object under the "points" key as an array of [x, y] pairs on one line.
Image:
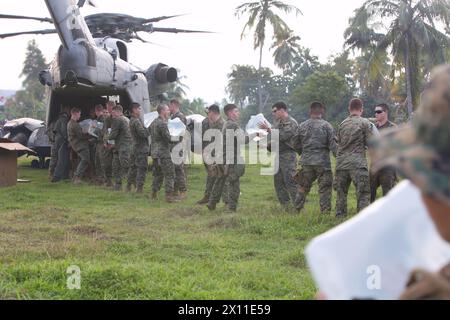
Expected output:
{"points": [[379, 111]]}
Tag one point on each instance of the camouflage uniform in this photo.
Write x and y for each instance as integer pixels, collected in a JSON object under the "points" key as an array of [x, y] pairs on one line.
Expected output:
{"points": [[59, 163], [351, 162], [284, 180], [232, 170], [180, 170], [420, 149], [163, 168], [99, 147], [139, 154], [211, 170], [79, 142], [316, 139], [107, 153], [120, 133], [385, 177]]}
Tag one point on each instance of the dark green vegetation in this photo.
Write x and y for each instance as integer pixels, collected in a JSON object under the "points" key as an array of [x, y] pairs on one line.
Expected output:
{"points": [[130, 248]]}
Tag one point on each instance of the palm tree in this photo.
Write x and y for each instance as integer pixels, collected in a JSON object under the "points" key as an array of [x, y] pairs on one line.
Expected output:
{"points": [[286, 49], [413, 36], [260, 14], [178, 89]]}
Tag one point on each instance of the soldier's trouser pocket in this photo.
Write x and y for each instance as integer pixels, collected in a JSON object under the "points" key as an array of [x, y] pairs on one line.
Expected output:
{"points": [[236, 171]]}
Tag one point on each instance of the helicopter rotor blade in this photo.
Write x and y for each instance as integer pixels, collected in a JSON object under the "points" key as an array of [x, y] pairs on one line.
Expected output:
{"points": [[9, 16], [81, 3], [8, 35], [174, 30], [162, 18], [136, 36]]}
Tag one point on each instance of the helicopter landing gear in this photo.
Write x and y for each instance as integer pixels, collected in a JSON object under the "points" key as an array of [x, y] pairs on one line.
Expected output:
{"points": [[40, 164]]}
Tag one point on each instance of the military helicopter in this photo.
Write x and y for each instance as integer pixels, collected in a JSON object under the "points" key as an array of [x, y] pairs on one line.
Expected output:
{"points": [[92, 64]]}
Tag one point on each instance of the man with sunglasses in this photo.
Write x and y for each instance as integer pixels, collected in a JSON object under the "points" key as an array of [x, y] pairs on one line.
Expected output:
{"points": [[385, 177]]}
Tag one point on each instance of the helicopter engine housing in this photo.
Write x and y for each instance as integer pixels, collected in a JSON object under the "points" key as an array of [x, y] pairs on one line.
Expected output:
{"points": [[159, 77]]}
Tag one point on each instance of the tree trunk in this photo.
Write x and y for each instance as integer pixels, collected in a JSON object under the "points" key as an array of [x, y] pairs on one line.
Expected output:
{"points": [[260, 99], [409, 98]]}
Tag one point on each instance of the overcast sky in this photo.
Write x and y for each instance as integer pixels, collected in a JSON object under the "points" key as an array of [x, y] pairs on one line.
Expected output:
{"points": [[205, 59]]}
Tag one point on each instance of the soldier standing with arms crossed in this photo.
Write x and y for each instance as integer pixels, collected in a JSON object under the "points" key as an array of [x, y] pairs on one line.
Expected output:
{"points": [[140, 150], [120, 134], [59, 163], [351, 161], [316, 140], [387, 176]]}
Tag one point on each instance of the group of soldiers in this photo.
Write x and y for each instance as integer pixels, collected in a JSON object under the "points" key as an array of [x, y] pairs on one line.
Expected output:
{"points": [[315, 139], [118, 151], [122, 148]]}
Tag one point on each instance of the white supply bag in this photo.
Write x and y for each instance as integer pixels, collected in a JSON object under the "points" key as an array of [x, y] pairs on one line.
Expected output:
{"points": [[149, 118], [176, 127], [252, 127]]}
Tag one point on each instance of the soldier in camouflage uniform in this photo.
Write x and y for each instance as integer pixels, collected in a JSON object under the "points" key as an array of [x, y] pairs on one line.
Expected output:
{"points": [[385, 177], [163, 167], [99, 147], [79, 142], [140, 150], [213, 122], [420, 150], [107, 155], [351, 162], [234, 165], [180, 170], [59, 163], [120, 134], [284, 182], [316, 140]]}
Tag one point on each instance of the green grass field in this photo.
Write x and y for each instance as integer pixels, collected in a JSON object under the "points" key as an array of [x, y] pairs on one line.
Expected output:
{"points": [[130, 248]]}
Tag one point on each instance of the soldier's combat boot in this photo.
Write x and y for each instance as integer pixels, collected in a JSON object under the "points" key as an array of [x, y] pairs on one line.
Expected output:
{"points": [[77, 181], [182, 196], [205, 200], [171, 198], [108, 183], [211, 206], [128, 189]]}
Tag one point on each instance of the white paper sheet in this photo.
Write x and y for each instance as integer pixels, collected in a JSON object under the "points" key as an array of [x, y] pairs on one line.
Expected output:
{"points": [[373, 254]]}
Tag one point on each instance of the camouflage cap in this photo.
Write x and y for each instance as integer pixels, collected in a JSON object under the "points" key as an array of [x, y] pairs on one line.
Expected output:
{"points": [[421, 149]]}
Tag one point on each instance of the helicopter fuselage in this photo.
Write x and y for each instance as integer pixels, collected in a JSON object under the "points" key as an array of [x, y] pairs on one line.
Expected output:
{"points": [[87, 71]]}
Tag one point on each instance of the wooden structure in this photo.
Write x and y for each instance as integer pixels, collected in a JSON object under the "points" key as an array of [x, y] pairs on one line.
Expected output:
{"points": [[8, 162]]}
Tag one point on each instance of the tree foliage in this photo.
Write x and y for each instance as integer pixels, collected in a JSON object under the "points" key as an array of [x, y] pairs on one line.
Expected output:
{"points": [[29, 102]]}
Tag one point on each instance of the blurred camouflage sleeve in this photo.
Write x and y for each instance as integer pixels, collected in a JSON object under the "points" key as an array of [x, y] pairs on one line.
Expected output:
{"points": [[332, 140]]}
